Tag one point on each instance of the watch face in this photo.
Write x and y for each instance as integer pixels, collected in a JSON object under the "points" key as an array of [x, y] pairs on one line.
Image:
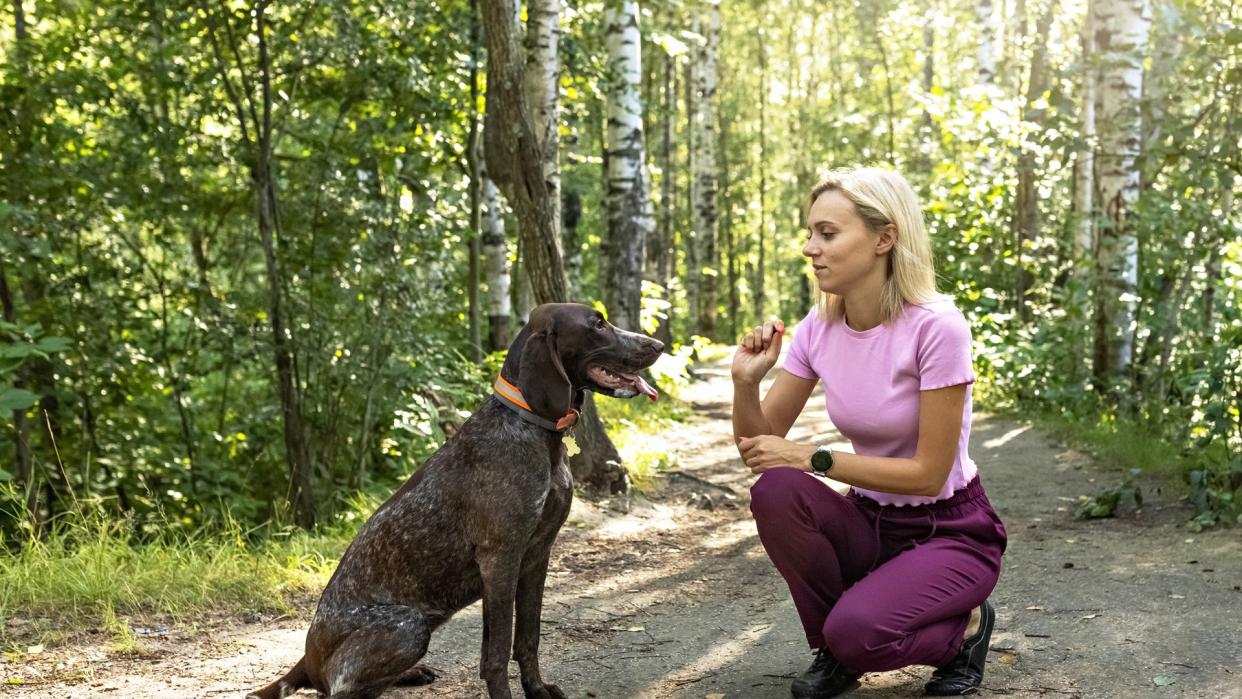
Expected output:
{"points": [[821, 461]]}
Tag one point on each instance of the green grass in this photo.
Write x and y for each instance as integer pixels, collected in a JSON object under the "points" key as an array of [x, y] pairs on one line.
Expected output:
{"points": [[90, 574], [1121, 444], [1115, 444]]}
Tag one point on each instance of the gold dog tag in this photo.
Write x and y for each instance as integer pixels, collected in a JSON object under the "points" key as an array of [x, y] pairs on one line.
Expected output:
{"points": [[571, 446]]}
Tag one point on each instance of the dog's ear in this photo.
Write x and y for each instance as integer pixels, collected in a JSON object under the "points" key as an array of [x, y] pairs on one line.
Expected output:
{"points": [[541, 376]]}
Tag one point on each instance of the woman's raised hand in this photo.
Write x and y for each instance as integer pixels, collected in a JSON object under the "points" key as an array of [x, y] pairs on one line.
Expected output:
{"points": [[757, 352]]}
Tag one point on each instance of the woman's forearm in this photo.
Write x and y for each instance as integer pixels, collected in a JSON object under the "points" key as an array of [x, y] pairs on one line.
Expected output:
{"points": [[886, 474], [748, 417]]}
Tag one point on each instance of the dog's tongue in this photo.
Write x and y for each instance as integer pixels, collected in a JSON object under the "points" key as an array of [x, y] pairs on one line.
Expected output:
{"points": [[645, 388]]}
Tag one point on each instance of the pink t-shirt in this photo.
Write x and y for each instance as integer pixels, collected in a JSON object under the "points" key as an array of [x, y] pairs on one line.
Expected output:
{"points": [[872, 381]]}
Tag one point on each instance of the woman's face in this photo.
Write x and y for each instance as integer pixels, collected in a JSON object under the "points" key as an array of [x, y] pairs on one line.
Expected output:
{"points": [[842, 251]]}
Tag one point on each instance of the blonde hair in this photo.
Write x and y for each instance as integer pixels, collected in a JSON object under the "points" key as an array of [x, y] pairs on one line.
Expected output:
{"points": [[883, 197]]}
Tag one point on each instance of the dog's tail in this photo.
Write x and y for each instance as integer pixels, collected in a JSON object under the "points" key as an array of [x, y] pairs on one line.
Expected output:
{"points": [[294, 680]]}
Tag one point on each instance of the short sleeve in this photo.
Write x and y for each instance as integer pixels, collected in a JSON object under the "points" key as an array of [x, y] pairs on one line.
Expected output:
{"points": [[798, 359], [944, 351]]}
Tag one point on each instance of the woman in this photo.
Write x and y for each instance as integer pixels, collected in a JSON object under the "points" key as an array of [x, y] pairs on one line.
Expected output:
{"points": [[898, 571]]}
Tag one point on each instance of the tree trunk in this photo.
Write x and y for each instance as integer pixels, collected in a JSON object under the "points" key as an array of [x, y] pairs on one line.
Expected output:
{"points": [[1212, 268], [571, 216], [25, 474], [1121, 37], [705, 207], [726, 234], [515, 160], [301, 492], [691, 237], [1083, 231], [758, 284], [297, 455], [21, 147], [629, 203], [891, 113], [475, 247], [1084, 165], [496, 264], [523, 295], [661, 254], [929, 74], [515, 156], [542, 80], [984, 56], [1026, 216]]}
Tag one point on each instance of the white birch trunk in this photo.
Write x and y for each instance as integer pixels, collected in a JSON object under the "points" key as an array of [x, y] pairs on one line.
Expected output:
{"points": [[542, 82], [1121, 30], [985, 53], [631, 219], [705, 214], [691, 238], [495, 267], [1084, 166]]}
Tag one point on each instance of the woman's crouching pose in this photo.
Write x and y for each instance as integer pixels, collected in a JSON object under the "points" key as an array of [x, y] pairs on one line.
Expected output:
{"points": [[898, 571]]}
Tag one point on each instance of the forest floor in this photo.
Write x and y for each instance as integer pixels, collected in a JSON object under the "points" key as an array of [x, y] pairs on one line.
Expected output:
{"points": [[663, 596]]}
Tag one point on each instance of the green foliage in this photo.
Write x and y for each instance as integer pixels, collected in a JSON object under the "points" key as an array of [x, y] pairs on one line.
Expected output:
{"points": [[143, 295], [18, 344], [635, 425], [1104, 504], [129, 187]]}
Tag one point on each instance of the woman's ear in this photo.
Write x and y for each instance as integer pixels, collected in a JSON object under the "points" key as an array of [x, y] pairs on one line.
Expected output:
{"points": [[888, 238]]}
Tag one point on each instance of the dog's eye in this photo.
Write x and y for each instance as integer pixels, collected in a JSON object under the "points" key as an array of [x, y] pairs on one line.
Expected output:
{"points": [[600, 323]]}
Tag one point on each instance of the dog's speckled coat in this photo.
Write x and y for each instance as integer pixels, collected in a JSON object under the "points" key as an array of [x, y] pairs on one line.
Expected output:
{"points": [[477, 520]]}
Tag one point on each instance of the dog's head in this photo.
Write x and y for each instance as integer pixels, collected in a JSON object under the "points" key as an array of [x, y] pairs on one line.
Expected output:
{"points": [[568, 347]]}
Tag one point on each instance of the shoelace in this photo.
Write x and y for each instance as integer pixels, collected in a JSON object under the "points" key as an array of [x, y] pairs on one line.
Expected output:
{"points": [[823, 659]]}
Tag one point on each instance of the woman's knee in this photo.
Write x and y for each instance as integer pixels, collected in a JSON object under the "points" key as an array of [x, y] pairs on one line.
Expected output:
{"points": [[776, 491]]}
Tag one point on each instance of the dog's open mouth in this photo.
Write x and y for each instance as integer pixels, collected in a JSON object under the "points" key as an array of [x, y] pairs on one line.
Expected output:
{"points": [[622, 385]]}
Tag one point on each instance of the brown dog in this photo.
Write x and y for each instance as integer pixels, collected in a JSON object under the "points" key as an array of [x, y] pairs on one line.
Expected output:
{"points": [[476, 521]]}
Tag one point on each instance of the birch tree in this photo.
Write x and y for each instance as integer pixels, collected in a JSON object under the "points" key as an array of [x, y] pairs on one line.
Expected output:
{"points": [[515, 156], [706, 222], [985, 56], [495, 268], [543, 71], [1121, 30], [571, 239], [1084, 164], [515, 161], [927, 127], [690, 238], [661, 254], [630, 215]]}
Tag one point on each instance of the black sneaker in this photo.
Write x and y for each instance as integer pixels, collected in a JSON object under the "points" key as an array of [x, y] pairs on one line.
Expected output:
{"points": [[965, 673], [825, 678]]}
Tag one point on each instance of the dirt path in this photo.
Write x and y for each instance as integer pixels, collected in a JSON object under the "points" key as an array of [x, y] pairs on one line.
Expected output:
{"points": [[673, 599]]}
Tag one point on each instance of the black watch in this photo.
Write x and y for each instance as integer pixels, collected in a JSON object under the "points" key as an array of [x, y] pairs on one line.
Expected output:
{"points": [[821, 460]]}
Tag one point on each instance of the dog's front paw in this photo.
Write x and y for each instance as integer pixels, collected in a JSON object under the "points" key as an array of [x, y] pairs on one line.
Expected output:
{"points": [[543, 691], [418, 676]]}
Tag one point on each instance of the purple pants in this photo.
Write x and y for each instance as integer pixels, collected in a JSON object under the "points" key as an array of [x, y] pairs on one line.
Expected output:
{"points": [[882, 587]]}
